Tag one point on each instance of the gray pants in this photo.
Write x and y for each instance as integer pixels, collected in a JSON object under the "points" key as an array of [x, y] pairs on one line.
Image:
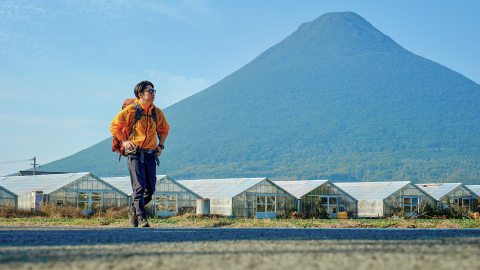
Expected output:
{"points": [[143, 177]]}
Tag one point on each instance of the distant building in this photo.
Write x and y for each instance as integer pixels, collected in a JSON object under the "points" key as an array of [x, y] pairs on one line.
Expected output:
{"points": [[459, 195], [308, 192], [243, 197], [170, 197], [383, 199], [83, 190]]}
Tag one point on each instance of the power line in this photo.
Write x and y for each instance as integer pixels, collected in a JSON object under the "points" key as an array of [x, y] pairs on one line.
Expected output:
{"points": [[5, 168], [16, 161]]}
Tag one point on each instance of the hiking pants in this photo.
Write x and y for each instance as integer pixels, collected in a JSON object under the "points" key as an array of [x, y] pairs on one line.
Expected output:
{"points": [[143, 177]]}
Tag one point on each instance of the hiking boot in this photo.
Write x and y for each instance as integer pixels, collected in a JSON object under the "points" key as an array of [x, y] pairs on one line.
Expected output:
{"points": [[132, 218], [143, 223]]}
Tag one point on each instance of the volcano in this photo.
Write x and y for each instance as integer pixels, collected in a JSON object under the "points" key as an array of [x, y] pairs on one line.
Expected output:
{"points": [[337, 99]]}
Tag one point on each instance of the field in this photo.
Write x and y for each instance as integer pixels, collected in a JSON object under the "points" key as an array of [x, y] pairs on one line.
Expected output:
{"points": [[186, 222]]}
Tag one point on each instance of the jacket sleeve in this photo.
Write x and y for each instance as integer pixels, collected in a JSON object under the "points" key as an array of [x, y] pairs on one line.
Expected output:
{"points": [[162, 126], [120, 122]]}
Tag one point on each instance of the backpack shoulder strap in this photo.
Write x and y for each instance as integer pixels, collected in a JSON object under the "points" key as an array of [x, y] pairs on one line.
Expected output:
{"points": [[138, 115], [154, 114]]}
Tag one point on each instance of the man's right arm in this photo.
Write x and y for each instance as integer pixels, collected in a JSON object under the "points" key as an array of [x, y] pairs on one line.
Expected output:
{"points": [[117, 126]]}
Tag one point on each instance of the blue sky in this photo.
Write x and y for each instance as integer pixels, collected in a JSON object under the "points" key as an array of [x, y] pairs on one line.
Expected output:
{"points": [[67, 66]]}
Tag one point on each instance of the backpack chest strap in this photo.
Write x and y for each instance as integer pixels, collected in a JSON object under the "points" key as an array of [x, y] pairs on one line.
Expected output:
{"points": [[138, 115]]}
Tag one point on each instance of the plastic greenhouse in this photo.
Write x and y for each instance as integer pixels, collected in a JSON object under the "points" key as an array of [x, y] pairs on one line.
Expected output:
{"points": [[308, 192], [474, 188], [7, 198], [459, 195], [243, 197], [383, 199], [170, 198], [83, 190]]}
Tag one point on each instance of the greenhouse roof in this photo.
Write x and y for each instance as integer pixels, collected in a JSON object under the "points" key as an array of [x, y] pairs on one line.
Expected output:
{"points": [[438, 191], [220, 188], [8, 191], [300, 187], [124, 183], [21, 185], [25, 173], [372, 190], [474, 188]]}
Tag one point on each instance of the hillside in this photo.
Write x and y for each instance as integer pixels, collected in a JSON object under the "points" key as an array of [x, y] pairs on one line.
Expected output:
{"points": [[336, 99]]}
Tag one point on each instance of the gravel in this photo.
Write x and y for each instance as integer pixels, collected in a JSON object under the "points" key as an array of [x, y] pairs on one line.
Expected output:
{"points": [[242, 248]]}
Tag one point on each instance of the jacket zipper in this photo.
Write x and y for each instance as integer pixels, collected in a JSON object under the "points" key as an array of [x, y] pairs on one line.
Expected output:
{"points": [[146, 130]]}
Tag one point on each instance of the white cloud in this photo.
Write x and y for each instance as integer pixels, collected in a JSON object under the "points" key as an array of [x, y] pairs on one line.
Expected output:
{"points": [[173, 88]]}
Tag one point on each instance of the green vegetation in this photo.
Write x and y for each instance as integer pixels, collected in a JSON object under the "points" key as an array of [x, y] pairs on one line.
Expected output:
{"points": [[337, 100], [246, 223]]}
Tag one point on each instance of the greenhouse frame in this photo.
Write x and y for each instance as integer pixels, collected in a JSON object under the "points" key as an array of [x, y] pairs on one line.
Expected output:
{"points": [[83, 190], [171, 198], [243, 197], [459, 195], [7, 198], [308, 192], [384, 199]]}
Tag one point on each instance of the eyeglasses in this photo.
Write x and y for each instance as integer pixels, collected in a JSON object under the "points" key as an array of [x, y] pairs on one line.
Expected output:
{"points": [[152, 91]]}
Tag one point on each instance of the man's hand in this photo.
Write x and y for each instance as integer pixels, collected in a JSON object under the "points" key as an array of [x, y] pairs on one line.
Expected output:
{"points": [[128, 144], [159, 151]]}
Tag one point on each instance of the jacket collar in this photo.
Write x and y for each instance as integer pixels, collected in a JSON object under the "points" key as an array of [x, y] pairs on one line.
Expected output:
{"points": [[143, 107]]}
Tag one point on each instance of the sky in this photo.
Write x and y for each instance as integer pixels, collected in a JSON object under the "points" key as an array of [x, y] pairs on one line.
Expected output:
{"points": [[67, 66]]}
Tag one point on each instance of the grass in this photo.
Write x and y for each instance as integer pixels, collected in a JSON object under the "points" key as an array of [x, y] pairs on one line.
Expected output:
{"points": [[244, 223], [51, 215]]}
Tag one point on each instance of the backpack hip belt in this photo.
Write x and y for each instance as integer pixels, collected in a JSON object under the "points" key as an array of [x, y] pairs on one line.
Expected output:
{"points": [[137, 149]]}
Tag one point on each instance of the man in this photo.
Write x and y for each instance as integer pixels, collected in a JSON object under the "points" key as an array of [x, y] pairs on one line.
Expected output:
{"points": [[143, 138]]}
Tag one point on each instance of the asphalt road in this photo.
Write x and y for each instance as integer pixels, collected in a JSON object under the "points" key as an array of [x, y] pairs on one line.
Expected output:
{"points": [[242, 248]]}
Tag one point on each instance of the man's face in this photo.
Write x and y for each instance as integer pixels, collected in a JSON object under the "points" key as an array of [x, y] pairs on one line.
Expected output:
{"points": [[146, 95]]}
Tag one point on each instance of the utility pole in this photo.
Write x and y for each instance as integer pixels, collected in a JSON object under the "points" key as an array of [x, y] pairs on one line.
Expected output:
{"points": [[34, 164]]}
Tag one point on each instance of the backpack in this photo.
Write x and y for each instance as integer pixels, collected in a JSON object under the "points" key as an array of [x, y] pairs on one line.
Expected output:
{"points": [[117, 145]]}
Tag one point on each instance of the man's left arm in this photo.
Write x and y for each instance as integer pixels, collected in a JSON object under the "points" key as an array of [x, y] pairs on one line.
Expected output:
{"points": [[162, 130]]}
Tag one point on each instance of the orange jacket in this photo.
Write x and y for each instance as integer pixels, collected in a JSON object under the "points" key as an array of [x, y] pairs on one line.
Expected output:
{"points": [[145, 133]]}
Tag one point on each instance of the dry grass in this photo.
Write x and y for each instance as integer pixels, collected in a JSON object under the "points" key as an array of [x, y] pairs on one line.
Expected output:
{"points": [[54, 211], [196, 216], [296, 215], [58, 212], [447, 224], [13, 212], [112, 213], [52, 215]]}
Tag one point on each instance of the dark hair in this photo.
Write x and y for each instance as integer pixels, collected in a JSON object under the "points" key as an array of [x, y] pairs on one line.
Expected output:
{"points": [[140, 87]]}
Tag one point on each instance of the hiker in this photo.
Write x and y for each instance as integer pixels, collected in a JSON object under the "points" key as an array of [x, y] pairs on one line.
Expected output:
{"points": [[135, 128]]}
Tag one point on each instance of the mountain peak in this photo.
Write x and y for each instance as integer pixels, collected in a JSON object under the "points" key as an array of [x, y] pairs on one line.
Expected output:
{"points": [[336, 34]]}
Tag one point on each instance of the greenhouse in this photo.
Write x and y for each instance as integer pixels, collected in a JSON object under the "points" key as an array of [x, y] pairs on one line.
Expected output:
{"points": [[7, 198], [384, 199], [82, 190], [243, 197], [308, 192], [458, 194], [474, 188], [171, 198]]}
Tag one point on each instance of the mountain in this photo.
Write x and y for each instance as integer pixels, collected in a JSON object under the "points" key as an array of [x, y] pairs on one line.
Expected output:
{"points": [[337, 99]]}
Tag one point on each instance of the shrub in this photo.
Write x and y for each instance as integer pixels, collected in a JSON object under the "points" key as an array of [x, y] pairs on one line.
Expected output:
{"points": [[322, 210]]}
